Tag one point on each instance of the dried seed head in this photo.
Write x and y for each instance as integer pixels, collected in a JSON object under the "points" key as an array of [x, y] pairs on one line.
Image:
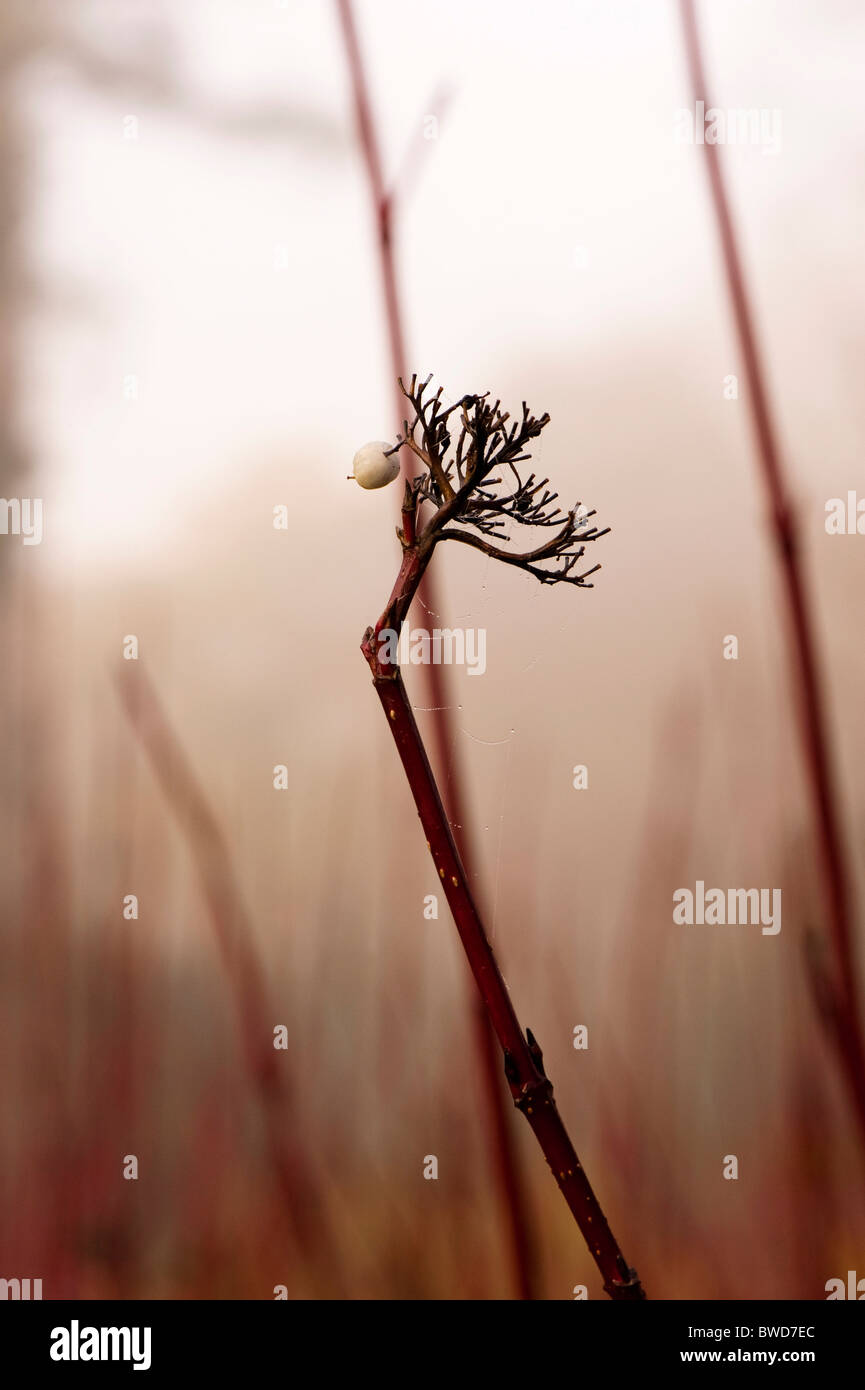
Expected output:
{"points": [[373, 466]]}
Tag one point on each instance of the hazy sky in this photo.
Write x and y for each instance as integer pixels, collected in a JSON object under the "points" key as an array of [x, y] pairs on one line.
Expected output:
{"points": [[556, 215]]}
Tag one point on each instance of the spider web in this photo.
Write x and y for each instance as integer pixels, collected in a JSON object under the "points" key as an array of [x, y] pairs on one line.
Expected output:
{"points": [[502, 613]]}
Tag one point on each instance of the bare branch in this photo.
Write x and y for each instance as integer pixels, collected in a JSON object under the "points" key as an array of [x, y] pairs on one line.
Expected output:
{"points": [[461, 483], [466, 451]]}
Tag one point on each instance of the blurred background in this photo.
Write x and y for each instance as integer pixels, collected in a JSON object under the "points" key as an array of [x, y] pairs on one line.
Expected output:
{"points": [[191, 335]]}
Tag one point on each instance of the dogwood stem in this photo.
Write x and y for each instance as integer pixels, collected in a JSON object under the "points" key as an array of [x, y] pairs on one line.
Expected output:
{"points": [[531, 1089], [836, 988]]}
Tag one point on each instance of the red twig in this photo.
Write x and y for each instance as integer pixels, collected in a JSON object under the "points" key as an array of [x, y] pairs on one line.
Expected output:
{"points": [[845, 1012], [383, 202], [300, 1191], [530, 1088], [464, 477]]}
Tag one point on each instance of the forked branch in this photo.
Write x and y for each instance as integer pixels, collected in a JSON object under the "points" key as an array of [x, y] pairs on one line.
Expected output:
{"points": [[460, 447]]}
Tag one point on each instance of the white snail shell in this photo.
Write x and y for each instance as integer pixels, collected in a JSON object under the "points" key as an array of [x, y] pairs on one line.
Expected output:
{"points": [[373, 467]]}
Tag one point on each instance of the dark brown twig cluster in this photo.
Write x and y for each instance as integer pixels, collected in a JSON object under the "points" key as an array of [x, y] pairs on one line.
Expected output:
{"points": [[470, 452]]}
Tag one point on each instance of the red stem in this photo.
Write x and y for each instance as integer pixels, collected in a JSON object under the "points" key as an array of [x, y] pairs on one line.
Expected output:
{"points": [[803, 659], [531, 1090], [382, 203], [295, 1175], [503, 1151]]}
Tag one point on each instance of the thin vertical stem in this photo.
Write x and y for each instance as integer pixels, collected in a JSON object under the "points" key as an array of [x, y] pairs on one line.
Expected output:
{"points": [[846, 1013], [531, 1089], [511, 1185], [298, 1185]]}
